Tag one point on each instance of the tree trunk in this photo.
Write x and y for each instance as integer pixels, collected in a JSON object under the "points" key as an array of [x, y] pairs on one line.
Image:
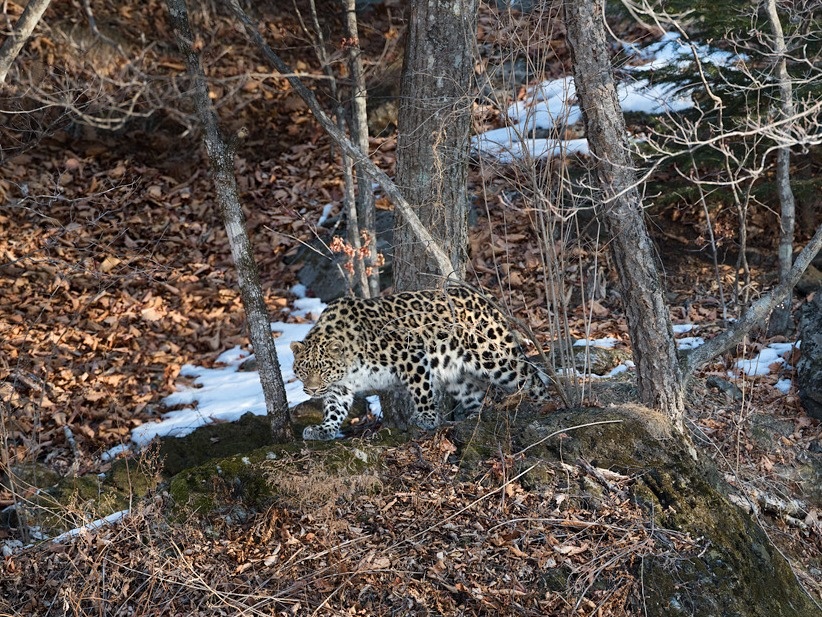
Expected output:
{"points": [[432, 146], [22, 31], [359, 281], [659, 376], [366, 214], [222, 168], [781, 316]]}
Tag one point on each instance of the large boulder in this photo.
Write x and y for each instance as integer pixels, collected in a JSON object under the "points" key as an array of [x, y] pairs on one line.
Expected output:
{"points": [[809, 367]]}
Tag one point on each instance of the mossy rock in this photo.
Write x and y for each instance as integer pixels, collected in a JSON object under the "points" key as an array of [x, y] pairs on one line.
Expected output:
{"points": [[295, 472], [64, 503], [214, 441], [738, 573], [225, 439]]}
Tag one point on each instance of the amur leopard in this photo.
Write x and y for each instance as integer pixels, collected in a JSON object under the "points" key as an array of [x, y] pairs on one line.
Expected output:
{"points": [[428, 342]]}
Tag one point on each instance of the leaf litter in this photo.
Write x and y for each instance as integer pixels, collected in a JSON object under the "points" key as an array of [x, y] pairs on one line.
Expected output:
{"points": [[115, 272]]}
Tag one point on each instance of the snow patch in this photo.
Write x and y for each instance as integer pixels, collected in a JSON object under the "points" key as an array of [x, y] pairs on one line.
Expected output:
{"points": [[761, 364], [603, 343], [689, 342], [224, 393], [327, 208], [108, 520], [783, 385], [552, 103]]}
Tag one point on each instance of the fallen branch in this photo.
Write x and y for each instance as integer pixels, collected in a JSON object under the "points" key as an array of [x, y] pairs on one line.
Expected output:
{"points": [[755, 314]]}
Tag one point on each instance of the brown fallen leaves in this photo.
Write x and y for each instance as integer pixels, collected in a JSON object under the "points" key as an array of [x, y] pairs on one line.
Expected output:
{"points": [[417, 539]]}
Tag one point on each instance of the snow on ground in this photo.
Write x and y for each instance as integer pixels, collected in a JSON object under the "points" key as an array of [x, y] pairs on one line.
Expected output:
{"points": [[689, 342], [603, 343], [224, 393], [551, 104], [108, 520], [765, 359], [672, 51], [327, 208]]}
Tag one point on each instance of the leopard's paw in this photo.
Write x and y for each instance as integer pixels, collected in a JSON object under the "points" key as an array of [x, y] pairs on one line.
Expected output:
{"points": [[427, 421], [317, 432]]}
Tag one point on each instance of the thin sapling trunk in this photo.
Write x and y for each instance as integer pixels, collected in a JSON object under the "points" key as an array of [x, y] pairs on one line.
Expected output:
{"points": [[222, 168]]}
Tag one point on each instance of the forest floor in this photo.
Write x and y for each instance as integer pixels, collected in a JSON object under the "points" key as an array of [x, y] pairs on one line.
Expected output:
{"points": [[115, 271]]}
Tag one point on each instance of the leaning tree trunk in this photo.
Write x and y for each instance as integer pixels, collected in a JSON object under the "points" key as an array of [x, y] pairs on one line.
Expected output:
{"points": [[222, 168], [22, 31], [659, 376], [432, 146]]}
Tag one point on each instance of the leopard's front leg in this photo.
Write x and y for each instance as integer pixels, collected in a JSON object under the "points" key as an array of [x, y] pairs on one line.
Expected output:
{"points": [[336, 405]]}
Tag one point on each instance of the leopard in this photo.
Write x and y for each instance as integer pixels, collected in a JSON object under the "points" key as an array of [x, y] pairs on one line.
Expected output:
{"points": [[435, 342]]}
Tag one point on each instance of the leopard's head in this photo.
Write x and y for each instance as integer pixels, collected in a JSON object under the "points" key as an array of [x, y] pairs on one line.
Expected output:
{"points": [[319, 364]]}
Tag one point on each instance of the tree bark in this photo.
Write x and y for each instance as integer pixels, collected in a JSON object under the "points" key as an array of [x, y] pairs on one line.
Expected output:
{"points": [[780, 318], [659, 376], [22, 31], [222, 167], [422, 235], [432, 145]]}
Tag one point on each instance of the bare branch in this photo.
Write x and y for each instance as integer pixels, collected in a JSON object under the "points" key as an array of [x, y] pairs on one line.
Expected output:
{"points": [[22, 31], [376, 174]]}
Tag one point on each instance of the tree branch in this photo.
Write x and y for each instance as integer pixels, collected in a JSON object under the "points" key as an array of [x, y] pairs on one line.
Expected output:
{"points": [[391, 190], [755, 314], [22, 31]]}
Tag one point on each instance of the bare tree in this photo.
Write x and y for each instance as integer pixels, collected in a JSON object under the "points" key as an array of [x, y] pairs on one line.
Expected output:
{"points": [[432, 146], [659, 375], [22, 31], [732, 124], [787, 205], [366, 214], [360, 281], [222, 168]]}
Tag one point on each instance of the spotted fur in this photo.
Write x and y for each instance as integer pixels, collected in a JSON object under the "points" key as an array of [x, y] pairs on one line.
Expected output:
{"points": [[428, 342]]}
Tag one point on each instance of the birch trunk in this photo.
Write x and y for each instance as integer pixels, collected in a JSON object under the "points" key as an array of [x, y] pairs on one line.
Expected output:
{"points": [[781, 316], [366, 214]]}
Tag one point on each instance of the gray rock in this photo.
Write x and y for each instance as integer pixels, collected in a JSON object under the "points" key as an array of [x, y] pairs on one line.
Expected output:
{"points": [[809, 367]]}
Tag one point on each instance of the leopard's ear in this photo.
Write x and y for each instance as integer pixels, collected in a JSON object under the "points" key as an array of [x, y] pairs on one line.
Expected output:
{"points": [[334, 347], [296, 347]]}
